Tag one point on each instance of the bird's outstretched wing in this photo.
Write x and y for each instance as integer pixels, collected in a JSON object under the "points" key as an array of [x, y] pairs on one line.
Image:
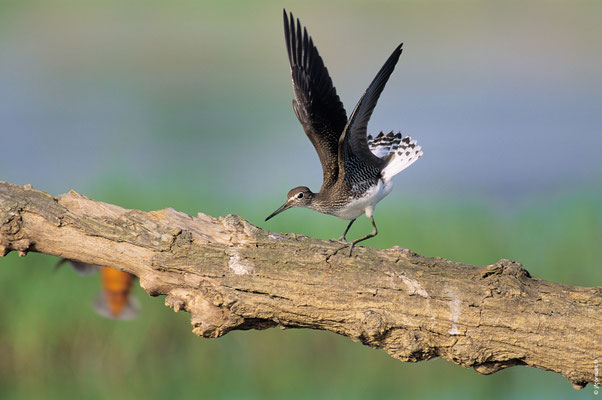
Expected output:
{"points": [[316, 102], [353, 144]]}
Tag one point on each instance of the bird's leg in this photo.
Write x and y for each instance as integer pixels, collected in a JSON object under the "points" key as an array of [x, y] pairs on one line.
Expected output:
{"points": [[352, 244], [368, 236], [344, 237]]}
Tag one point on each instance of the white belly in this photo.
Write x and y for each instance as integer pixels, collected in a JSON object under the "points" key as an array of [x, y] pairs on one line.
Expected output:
{"points": [[366, 203]]}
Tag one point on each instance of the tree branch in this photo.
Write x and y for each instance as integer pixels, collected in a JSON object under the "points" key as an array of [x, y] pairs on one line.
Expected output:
{"points": [[231, 275]]}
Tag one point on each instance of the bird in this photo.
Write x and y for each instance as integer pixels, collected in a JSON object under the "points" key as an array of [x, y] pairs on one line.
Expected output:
{"points": [[357, 168], [115, 300]]}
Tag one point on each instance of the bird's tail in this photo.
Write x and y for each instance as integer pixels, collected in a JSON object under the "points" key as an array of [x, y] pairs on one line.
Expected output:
{"points": [[116, 306], [401, 152]]}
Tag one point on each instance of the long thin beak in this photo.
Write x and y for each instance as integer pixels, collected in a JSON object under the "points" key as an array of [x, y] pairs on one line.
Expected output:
{"points": [[284, 207]]}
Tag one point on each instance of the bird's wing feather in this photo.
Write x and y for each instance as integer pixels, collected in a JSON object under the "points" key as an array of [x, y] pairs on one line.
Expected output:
{"points": [[316, 102], [353, 145]]}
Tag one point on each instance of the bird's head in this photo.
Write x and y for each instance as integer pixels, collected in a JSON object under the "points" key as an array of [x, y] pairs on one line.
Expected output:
{"points": [[300, 196]]}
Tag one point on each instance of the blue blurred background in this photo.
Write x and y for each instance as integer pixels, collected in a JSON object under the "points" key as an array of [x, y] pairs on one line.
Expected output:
{"points": [[187, 104]]}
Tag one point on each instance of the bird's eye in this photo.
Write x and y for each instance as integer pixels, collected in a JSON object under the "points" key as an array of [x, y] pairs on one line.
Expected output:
{"points": [[300, 195]]}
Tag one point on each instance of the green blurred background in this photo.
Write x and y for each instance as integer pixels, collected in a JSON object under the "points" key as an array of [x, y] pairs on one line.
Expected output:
{"points": [[187, 104]]}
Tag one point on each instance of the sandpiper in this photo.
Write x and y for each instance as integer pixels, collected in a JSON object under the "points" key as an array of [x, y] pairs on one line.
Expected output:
{"points": [[357, 168]]}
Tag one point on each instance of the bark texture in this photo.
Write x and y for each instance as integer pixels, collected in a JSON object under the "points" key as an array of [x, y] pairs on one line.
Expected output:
{"points": [[229, 274]]}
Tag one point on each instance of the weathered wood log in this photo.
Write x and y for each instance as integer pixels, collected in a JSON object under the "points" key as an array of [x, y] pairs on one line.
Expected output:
{"points": [[230, 275]]}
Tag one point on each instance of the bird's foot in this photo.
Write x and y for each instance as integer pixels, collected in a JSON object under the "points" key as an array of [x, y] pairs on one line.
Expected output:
{"points": [[347, 244]]}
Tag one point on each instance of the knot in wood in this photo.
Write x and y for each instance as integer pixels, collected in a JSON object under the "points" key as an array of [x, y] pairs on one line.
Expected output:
{"points": [[373, 326], [10, 226], [12, 237], [506, 267], [207, 319]]}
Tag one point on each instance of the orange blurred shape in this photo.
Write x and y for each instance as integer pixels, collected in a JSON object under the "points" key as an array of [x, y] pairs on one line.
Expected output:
{"points": [[115, 300]]}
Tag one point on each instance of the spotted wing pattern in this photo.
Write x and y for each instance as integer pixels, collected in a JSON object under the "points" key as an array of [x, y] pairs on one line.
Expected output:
{"points": [[399, 152], [381, 145], [316, 102]]}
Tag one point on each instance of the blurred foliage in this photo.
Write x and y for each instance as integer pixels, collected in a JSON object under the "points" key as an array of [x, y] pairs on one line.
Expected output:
{"points": [[54, 346]]}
